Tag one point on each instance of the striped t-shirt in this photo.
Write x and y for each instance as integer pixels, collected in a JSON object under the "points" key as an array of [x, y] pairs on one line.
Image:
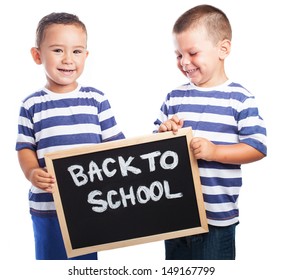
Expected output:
{"points": [[50, 122], [226, 114]]}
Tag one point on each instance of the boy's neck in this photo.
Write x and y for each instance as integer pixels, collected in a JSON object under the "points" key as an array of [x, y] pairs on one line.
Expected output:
{"points": [[61, 88]]}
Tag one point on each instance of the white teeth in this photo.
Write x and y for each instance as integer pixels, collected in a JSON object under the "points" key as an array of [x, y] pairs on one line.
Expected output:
{"points": [[191, 71], [66, 70]]}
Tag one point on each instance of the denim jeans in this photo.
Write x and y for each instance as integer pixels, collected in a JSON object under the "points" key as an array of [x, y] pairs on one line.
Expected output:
{"points": [[217, 244]]}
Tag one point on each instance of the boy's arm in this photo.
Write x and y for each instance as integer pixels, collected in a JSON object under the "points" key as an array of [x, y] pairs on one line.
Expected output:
{"points": [[33, 172], [232, 154], [204, 149]]}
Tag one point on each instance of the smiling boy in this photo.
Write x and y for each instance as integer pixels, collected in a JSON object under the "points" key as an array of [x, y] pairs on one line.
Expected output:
{"points": [[61, 115], [228, 130]]}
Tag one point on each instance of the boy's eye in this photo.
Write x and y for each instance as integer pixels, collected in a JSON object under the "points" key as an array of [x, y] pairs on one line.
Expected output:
{"points": [[77, 51], [57, 50], [178, 57]]}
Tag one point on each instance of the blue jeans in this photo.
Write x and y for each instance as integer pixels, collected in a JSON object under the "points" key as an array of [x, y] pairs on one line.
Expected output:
{"points": [[49, 243], [217, 244]]}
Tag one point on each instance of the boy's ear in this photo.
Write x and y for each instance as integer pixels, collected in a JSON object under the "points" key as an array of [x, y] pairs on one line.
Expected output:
{"points": [[224, 48], [36, 55]]}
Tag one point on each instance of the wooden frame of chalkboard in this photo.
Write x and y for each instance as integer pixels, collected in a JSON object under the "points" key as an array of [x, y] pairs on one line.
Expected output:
{"points": [[127, 192]]}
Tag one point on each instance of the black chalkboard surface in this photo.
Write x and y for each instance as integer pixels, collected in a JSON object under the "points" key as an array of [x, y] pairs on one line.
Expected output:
{"points": [[127, 192]]}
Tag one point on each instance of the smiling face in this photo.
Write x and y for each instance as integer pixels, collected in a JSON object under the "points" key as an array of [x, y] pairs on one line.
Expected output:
{"points": [[199, 58], [63, 53]]}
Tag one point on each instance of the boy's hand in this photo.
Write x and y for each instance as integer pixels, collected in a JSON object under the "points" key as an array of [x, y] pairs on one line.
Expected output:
{"points": [[203, 148], [172, 124], [41, 179]]}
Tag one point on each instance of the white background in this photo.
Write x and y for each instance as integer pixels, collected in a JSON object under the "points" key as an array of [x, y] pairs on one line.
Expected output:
{"points": [[132, 61]]}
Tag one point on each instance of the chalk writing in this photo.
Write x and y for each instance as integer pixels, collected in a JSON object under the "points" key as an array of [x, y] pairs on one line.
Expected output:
{"points": [[114, 199], [80, 178], [143, 194]]}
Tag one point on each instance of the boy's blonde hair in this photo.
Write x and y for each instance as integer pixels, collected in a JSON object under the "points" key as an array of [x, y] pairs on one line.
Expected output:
{"points": [[215, 21]]}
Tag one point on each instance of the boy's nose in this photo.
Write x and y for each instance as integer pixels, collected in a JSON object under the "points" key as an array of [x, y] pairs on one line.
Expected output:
{"points": [[67, 58], [185, 63]]}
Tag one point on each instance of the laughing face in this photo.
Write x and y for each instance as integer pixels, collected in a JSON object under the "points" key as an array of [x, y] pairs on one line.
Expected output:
{"points": [[63, 53], [199, 58]]}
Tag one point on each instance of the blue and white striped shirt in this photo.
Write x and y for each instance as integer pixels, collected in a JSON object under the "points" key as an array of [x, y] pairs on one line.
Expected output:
{"points": [[49, 122], [226, 114]]}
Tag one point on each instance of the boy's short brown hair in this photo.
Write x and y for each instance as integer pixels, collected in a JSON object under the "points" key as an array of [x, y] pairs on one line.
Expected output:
{"points": [[56, 18], [215, 21]]}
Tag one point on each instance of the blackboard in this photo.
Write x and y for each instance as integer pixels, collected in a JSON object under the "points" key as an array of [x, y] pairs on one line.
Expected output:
{"points": [[127, 192]]}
